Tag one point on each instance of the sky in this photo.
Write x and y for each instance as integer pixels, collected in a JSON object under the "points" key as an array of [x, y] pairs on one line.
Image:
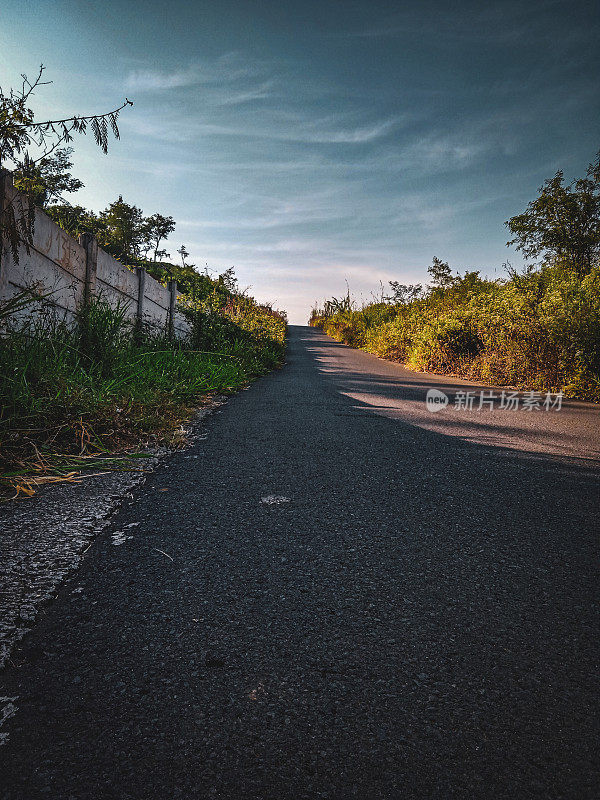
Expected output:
{"points": [[314, 145]]}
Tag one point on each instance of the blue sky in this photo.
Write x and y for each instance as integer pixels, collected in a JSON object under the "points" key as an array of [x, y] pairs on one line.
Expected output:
{"points": [[311, 143]]}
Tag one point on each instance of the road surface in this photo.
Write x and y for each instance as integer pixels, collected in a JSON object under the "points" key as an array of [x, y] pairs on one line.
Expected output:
{"points": [[335, 594]]}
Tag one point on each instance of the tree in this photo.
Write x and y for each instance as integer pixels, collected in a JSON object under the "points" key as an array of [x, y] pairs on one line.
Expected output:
{"points": [[77, 219], [184, 254], [122, 225], [229, 280], [563, 223], [154, 229], [441, 274], [403, 294], [48, 178], [19, 132]]}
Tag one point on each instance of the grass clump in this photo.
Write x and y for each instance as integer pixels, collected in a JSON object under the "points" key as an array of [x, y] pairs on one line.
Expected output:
{"points": [[75, 393]]}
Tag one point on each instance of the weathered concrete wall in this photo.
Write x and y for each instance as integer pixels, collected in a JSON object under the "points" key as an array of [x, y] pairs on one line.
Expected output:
{"points": [[68, 272], [55, 265]]}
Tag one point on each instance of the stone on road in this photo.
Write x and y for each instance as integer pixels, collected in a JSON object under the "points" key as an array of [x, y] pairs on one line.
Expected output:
{"points": [[335, 594]]}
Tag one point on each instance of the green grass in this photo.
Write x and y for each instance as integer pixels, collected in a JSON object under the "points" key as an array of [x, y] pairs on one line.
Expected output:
{"points": [[73, 395]]}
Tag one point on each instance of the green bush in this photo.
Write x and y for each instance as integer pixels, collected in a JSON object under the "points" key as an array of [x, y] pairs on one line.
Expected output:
{"points": [[539, 330], [95, 384]]}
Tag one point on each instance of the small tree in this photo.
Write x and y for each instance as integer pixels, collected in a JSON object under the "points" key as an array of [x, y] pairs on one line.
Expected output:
{"points": [[123, 229], [563, 223], [47, 179], [77, 219], [229, 280], [154, 229], [441, 274], [184, 254], [19, 132], [403, 294]]}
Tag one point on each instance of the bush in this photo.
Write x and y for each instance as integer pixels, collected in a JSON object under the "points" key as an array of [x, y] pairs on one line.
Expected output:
{"points": [[93, 385], [539, 330]]}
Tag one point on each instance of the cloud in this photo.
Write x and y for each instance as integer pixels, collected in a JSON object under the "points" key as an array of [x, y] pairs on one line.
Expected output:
{"points": [[359, 135], [260, 92], [303, 131], [291, 107], [229, 68], [153, 80]]}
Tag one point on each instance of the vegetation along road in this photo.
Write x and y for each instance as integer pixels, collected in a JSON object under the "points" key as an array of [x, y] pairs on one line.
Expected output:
{"points": [[337, 593]]}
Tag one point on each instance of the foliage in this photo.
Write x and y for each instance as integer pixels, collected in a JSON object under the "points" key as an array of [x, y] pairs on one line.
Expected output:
{"points": [[121, 229], [154, 229], [183, 252], [43, 175], [77, 219], [539, 330], [220, 314], [563, 223], [81, 390], [404, 293], [441, 274], [48, 178]]}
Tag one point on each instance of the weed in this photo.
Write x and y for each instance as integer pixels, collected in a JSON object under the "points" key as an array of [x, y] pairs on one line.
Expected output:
{"points": [[539, 330], [75, 393]]}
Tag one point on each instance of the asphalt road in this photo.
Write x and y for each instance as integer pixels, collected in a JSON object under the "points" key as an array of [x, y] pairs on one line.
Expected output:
{"points": [[417, 618]]}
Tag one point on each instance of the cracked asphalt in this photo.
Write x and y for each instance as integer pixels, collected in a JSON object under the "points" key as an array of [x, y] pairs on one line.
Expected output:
{"points": [[334, 594]]}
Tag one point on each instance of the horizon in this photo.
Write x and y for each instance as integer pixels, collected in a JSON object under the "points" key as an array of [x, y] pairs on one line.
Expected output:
{"points": [[310, 146]]}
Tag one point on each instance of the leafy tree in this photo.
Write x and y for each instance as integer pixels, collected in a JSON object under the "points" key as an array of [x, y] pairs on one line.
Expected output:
{"points": [[48, 178], [404, 293], [228, 280], [122, 229], [441, 274], [563, 223], [154, 229], [19, 132], [77, 219]]}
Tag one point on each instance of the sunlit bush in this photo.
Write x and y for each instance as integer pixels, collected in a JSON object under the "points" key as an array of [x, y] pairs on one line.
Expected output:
{"points": [[538, 330]]}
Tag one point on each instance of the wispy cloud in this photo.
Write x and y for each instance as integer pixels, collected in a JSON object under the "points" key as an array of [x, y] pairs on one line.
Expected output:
{"points": [[291, 107], [146, 80], [261, 92], [305, 130], [359, 135], [228, 68]]}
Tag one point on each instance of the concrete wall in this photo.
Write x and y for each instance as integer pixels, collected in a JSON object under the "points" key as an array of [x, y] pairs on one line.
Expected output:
{"points": [[69, 272]]}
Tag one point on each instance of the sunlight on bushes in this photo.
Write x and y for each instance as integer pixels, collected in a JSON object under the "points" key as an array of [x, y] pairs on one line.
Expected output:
{"points": [[539, 330]]}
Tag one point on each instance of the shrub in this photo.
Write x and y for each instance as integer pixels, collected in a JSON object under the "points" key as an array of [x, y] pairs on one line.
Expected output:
{"points": [[539, 330], [91, 386]]}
